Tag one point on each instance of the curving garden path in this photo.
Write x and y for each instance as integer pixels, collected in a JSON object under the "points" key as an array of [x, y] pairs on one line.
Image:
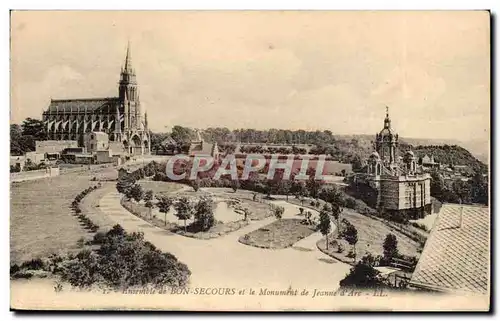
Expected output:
{"points": [[224, 262]]}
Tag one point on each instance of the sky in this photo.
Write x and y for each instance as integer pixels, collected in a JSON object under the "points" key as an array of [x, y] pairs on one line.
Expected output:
{"points": [[332, 71]]}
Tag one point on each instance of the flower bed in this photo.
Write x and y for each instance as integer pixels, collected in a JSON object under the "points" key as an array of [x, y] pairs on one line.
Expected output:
{"points": [[279, 234]]}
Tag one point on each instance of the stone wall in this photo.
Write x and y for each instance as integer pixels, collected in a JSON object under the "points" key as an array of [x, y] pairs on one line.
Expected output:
{"points": [[32, 175]]}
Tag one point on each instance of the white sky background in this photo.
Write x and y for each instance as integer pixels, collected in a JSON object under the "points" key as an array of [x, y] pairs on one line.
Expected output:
{"points": [[292, 70]]}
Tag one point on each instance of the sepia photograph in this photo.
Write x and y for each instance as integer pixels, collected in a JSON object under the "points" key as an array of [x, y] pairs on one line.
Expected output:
{"points": [[250, 161]]}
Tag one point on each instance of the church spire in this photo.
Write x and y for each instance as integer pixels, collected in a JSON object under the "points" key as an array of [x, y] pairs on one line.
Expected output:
{"points": [[128, 60]]}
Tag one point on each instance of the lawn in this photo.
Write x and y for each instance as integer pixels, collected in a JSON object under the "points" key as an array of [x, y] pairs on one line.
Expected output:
{"points": [[160, 187], [177, 226], [279, 234], [40, 216], [258, 210], [371, 236], [90, 206]]}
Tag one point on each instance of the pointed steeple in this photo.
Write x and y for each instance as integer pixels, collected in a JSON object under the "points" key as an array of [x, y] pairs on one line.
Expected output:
{"points": [[127, 68]]}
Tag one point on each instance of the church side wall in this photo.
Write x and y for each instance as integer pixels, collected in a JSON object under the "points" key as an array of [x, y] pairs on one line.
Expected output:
{"points": [[389, 194]]}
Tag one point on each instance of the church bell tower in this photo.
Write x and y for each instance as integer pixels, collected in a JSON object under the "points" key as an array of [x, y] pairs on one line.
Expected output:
{"points": [[386, 143], [129, 95]]}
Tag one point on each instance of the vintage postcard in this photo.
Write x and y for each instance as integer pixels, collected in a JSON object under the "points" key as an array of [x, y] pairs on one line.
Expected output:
{"points": [[250, 160]]}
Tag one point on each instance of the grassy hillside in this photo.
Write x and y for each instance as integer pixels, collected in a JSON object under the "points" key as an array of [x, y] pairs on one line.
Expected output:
{"points": [[453, 154]]}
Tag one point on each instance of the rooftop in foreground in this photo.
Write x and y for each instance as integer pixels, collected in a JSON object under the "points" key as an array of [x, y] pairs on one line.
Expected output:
{"points": [[456, 255]]}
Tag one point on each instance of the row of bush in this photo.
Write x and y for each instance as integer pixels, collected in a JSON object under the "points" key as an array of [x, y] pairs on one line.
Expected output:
{"points": [[75, 205]]}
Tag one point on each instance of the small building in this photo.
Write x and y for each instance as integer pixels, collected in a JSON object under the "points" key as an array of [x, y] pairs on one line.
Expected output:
{"points": [[54, 146], [95, 141], [35, 157], [456, 256], [18, 162], [200, 147], [103, 156], [429, 162], [83, 158]]}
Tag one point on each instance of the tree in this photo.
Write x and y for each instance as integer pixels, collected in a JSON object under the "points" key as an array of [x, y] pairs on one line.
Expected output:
{"points": [[196, 185], [308, 217], [286, 186], [148, 195], [34, 127], [124, 183], [363, 274], [182, 134], [356, 163], [299, 188], [246, 212], [324, 224], [135, 192], [204, 213], [390, 247], [148, 198], [235, 184], [351, 236], [336, 212], [437, 185], [479, 188], [184, 210], [278, 212], [164, 204], [149, 205], [313, 185], [15, 136]]}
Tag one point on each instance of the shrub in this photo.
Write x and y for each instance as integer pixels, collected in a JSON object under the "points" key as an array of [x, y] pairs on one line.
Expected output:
{"points": [[390, 247], [81, 242], [115, 263], [83, 270], [419, 225], [363, 274], [34, 264], [14, 268], [204, 214]]}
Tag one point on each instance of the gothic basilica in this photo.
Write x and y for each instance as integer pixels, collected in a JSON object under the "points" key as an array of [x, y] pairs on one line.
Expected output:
{"points": [[119, 117]]}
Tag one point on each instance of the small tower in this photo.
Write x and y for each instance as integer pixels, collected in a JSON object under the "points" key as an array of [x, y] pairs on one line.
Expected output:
{"points": [[374, 166], [410, 162], [386, 143], [117, 135], [215, 151], [146, 128]]}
